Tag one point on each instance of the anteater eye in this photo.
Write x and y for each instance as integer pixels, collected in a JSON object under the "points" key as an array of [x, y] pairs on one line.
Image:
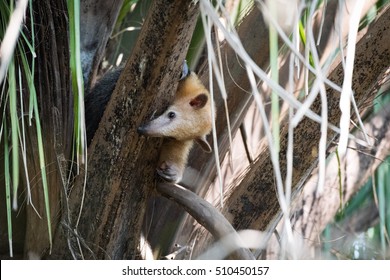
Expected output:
{"points": [[171, 115]]}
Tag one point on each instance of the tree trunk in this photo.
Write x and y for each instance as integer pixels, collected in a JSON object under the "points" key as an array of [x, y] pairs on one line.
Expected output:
{"points": [[121, 165]]}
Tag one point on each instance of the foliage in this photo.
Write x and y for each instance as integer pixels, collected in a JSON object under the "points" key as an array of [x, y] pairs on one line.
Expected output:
{"points": [[20, 70]]}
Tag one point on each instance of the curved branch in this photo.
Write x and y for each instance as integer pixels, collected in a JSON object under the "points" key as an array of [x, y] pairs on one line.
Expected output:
{"points": [[204, 213]]}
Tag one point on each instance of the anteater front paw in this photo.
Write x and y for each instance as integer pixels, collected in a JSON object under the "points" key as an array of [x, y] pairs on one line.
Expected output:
{"points": [[169, 172]]}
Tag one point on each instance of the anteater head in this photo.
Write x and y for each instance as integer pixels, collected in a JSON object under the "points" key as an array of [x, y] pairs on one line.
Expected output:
{"points": [[189, 117]]}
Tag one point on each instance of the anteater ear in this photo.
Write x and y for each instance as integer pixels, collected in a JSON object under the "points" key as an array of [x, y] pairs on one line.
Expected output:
{"points": [[199, 101]]}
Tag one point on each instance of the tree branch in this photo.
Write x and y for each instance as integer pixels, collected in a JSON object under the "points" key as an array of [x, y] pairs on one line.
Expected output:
{"points": [[205, 214]]}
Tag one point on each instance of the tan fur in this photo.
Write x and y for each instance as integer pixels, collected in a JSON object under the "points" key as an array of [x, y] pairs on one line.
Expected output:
{"points": [[173, 159], [192, 121], [189, 123], [198, 123]]}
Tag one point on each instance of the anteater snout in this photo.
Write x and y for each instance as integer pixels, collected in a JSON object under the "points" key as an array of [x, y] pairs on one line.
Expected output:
{"points": [[141, 130]]}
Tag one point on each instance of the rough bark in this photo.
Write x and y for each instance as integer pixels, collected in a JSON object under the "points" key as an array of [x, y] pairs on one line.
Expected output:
{"points": [[121, 166]]}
